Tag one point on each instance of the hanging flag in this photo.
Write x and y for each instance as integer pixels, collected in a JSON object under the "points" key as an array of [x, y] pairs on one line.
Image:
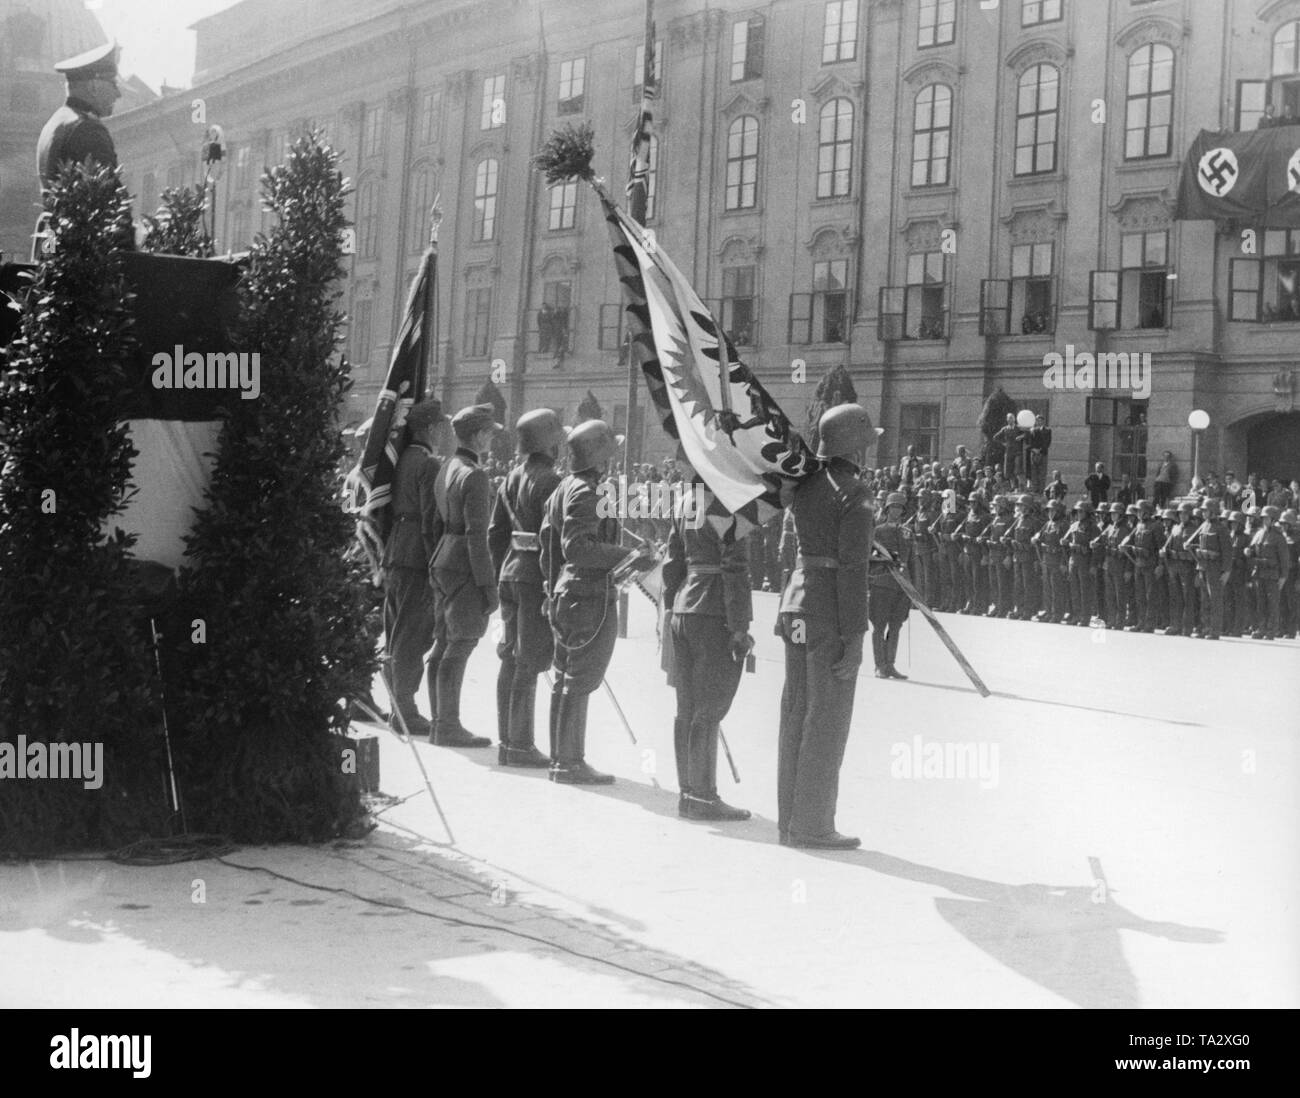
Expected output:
{"points": [[735, 434], [1251, 177], [369, 486], [638, 172]]}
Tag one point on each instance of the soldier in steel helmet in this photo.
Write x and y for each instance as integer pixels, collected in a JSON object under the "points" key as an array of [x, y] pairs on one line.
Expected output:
{"points": [[889, 604], [579, 550], [1213, 566], [973, 564], [709, 608], [1026, 596], [1113, 564], [1050, 543], [1082, 567], [998, 557], [1236, 604], [944, 530], [823, 620], [464, 581], [1271, 565], [408, 592], [527, 647], [1179, 561]]}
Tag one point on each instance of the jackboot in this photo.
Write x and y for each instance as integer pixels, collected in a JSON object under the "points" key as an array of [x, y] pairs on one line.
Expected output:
{"points": [[521, 750], [878, 652], [570, 768], [447, 729], [891, 653], [681, 748], [505, 682]]}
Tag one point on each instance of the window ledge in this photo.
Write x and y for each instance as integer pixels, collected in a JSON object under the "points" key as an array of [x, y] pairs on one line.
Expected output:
{"points": [[747, 211], [832, 200], [1056, 176], [1146, 164], [930, 189]]}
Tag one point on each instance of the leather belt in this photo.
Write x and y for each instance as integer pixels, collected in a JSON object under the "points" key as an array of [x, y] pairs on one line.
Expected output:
{"points": [[808, 563], [524, 542], [704, 569]]}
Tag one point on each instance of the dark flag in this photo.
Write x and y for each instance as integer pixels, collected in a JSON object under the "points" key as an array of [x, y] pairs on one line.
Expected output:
{"points": [[1251, 177], [369, 485], [638, 172]]}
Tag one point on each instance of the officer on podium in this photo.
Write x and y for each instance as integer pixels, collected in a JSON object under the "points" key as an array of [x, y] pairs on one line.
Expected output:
{"points": [[75, 132], [823, 622]]}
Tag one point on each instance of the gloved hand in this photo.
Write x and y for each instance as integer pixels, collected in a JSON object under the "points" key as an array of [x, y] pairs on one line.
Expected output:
{"points": [[740, 647], [847, 667]]}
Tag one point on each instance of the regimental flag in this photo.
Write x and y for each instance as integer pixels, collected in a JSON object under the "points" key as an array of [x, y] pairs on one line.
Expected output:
{"points": [[736, 436], [369, 486], [638, 172], [1251, 177]]}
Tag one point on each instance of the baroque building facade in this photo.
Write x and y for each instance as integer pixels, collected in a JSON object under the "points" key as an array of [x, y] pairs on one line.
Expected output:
{"points": [[934, 195]]}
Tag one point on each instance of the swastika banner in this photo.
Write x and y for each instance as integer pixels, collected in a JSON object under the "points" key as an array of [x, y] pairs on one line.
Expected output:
{"points": [[1252, 177]]}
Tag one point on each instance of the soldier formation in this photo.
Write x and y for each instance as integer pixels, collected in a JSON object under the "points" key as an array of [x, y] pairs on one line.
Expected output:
{"points": [[538, 544]]}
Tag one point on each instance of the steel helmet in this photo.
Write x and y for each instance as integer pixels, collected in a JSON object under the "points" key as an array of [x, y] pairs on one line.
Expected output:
{"points": [[846, 431], [539, 432], [591, 445]]}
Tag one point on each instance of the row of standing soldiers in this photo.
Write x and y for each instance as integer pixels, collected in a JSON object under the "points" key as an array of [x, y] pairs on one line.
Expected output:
{"points": [[1189, 570], [541, 549]]}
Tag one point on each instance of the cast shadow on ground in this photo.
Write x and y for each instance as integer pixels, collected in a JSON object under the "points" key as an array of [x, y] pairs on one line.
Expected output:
{"points": [[311, 947], [1064, 938]]}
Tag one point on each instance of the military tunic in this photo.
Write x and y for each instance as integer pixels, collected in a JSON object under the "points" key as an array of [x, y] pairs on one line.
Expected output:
{"points": [[823, 609], [408, 593], [707, 587], [73, 134]]}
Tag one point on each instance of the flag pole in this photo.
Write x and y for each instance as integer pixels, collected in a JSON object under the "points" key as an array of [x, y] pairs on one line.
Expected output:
{"points": [[430, 324]]}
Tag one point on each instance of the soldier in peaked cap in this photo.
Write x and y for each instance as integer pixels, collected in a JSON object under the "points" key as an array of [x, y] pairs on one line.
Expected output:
{"points": [[579, 549], [74, 132], [889, 604], [526, 646], [464, 582], [823, 620], [408, 593], [707, 593]]}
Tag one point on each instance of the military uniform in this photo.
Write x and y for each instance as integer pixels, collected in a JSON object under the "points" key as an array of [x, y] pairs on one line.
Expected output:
{"points": [[1081, 569], [945, 530], [579, 550], [1143, 544], [408, 594], [889, 605], [1213, 553], [1182, 576], [1271, 564], [823, 619], [1236, 604], [74, 132], [527, 646], [998, 559], [1050, 541], [1114, 565], [707, 587], [969, 535], [925, 549], [464, 581], [1026, 596]]}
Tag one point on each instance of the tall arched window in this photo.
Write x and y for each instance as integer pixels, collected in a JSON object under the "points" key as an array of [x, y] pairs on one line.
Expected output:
{"points": [[485, 199], [368, 219], [1286, 49], [835, 149], [1150, 101], [1037, 104], [421, 197], [931, 135], [742, 163]]}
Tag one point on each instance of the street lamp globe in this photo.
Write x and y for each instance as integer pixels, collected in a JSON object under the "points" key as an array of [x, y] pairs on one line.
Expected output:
{"points": [[1198, 420], [1025, 419]]}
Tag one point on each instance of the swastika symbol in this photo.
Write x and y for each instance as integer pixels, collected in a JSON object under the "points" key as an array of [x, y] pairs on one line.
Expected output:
{"points": [[1293, 172], [1217, 172]]}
